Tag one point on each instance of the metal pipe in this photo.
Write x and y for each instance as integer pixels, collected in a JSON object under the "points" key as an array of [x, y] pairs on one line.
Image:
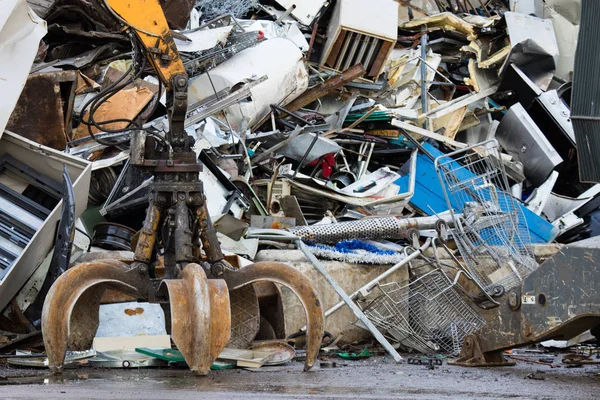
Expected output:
{"points": [[285, 14], [303, 160], [369, 286], [355, 309], [424, 98]]}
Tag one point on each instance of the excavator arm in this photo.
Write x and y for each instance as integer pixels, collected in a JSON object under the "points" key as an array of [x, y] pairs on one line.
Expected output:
{"points": [[147, 20]]}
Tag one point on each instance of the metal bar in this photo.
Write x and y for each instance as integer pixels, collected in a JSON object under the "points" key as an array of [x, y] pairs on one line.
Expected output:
{"points": [[355, 309], [585, 118], [363, 48], [370, 53], [424, 98], [296, 116], [285, 14], [27, 204], [427, 133], [305, 156], [342, 54], [350, 57], [224, 103], [320, 90], [369, 286]]}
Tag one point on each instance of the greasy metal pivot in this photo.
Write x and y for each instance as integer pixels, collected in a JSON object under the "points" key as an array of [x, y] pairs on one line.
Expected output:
{"points": [[200, 317], [471, 355], [70, 312], [299, 284]]}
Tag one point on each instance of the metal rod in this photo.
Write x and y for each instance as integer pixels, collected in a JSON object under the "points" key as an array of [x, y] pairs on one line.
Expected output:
{"points": [[312, 144], [285, 14], [355, 309], [424, 98], [369, 286], [312, 41]]}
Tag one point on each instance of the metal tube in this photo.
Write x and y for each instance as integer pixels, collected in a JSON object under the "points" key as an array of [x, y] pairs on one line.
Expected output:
{"points": [[355, 309], [312, 144], [285, 14], [381, 277], [424, 98]]}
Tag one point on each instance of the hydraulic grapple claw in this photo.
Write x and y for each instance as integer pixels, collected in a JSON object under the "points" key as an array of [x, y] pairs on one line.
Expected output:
{"points": [[200, 307], [200, 317], [70, 312], [299, 284]]}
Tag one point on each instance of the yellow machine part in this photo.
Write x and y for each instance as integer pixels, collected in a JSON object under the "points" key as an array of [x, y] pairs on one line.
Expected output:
{"points": [[147, 19]]}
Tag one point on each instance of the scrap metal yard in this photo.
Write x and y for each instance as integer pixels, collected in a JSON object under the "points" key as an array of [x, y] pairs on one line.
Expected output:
{"points": [[383, 199]]}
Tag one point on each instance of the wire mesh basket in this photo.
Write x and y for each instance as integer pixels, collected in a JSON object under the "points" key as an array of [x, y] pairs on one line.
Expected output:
{"points": [[427, 315], [490, 231]]}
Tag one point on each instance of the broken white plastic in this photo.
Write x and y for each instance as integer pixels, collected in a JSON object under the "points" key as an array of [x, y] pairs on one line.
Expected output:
{"points": [[20, 33]]}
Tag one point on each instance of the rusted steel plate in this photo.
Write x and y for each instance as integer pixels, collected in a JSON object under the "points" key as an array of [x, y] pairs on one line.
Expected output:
{"points": [[43, 112]]}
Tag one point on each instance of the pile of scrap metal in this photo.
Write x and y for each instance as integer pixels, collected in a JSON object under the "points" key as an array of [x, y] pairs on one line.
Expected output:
{"points": [[416, 159]]}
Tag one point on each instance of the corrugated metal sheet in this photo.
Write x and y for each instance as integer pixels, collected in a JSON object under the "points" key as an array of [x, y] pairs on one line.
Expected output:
{"points": [[585, 104]]}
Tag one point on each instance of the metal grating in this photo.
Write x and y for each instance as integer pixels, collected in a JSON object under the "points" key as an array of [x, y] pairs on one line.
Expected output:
{"points": [[427, 315], [352, 48], [585, 107], [490, 229]]}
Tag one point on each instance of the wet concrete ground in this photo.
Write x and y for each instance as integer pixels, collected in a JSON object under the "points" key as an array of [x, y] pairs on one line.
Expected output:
{"points": [[375, 378]]}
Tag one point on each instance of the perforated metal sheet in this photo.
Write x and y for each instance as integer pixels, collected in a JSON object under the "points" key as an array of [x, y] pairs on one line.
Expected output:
{"points": [[245, 317], [369, 228]]}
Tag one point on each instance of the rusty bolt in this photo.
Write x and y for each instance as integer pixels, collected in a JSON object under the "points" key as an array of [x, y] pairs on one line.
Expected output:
{"points": [[526, 330], [514, 301], [217, 268], [142, 269]]}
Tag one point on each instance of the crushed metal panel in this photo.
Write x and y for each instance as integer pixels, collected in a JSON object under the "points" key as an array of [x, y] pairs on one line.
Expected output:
{"points": [[20, 34], [305, 11], [177, 12], [446, 21], [44, 110], [50, 161], [41, 7], [534, 47], [585, 107], [521, 137]]}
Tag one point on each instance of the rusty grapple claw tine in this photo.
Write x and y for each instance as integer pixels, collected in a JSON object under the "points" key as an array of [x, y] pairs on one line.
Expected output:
{"points": [[200, 316], [70, 312], [299, 284]]}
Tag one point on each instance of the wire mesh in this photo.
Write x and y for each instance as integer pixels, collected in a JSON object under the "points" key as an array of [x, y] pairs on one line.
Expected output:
{"points": [[214, 8], [427, 315], [490, 231]]}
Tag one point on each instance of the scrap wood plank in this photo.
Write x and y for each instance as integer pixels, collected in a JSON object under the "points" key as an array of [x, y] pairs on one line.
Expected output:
{"points": [[459, 102], [429, 134], [130, 342], [245, 358], [320, 90]]}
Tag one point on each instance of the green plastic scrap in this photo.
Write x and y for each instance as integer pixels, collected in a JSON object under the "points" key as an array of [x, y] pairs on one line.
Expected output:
{"points": [[355, 356], [174, 356], [162, 353]]}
